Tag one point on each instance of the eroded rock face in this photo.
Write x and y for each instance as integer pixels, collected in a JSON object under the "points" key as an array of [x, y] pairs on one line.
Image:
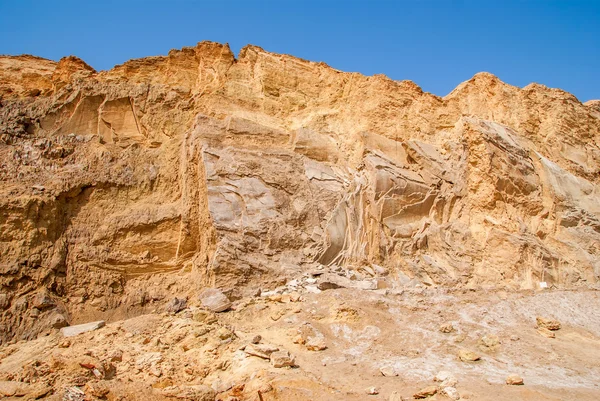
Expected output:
{"points": [[165, 175]]}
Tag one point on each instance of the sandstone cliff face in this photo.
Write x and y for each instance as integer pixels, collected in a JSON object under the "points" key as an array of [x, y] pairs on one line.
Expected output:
{"points": [[168, 174]]}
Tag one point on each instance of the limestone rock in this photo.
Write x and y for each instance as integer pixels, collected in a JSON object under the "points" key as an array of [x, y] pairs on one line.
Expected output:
{"points": [[312, 338], [281, 359], [426, 392], [450, 392], [446, 379], [514, 380], [466, 355], [550, 324], [261, 350], [372, 391], [214, 300], [490, 341], [176, 305], [71, 331], [389, 371]]}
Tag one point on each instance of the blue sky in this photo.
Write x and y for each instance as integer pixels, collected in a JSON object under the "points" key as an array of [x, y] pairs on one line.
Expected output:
{"points": [[437, 44]]}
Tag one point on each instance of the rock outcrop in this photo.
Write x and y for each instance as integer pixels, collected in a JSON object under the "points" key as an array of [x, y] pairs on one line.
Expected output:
{"points": [[165, 175]]}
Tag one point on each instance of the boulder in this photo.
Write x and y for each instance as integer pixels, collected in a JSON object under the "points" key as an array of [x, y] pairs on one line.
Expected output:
{"points": [[214, 300]]}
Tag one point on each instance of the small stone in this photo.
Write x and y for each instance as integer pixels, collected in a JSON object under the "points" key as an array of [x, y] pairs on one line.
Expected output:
{"points": [[446, 379], [71, 331], [275, 316], [426, 392], [261, 350], [550, 324], [327, 285], [447, 328], [546, 333], [442, 375], [280, 359], [316, 343], [514, 338], [256, 339], [214, 300], [372, 391], [490, 340], [299, 340], [450, 392], [388, 371], [224, 333], [176, 305], [466, 355], [204, 316], [514, 380]]}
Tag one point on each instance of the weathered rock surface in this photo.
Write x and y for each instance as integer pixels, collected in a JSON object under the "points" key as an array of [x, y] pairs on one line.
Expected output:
{"points": [[199, 169], [199, 180]]}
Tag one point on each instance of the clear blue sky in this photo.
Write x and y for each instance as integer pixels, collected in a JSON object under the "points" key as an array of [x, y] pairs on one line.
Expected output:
{"points": [[437, 44]]}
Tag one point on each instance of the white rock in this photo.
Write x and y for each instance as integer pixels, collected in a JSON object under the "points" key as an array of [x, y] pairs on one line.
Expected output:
{"points": [[372, 391], [451, 393], [214, 300], [71, 331], [313, 289]]}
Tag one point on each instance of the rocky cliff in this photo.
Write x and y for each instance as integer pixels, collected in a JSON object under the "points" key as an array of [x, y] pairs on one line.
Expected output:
{"points": [[169, 174]]}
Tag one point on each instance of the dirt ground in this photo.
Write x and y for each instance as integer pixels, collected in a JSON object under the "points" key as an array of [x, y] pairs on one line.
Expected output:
{"points": [[410, 335]]}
